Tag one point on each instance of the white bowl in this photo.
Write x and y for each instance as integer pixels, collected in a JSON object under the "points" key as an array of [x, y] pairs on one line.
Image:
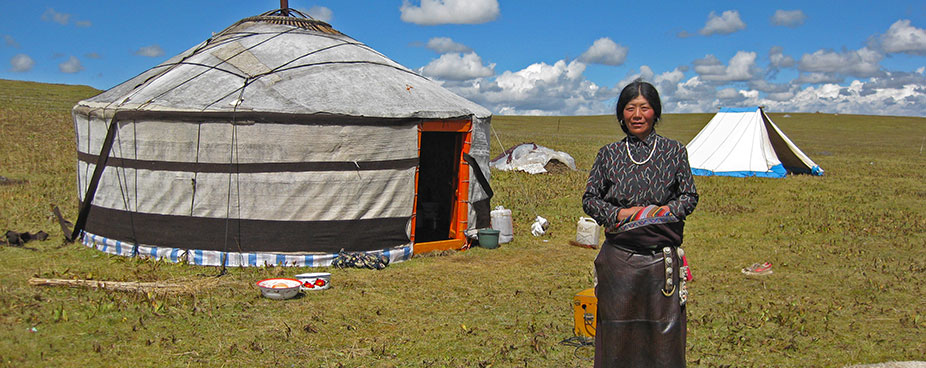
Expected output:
{"points": [[315, 280], [279, 288]]}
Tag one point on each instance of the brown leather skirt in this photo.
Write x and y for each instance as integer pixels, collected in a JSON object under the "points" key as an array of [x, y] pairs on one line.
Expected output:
{"points": [[637, 325]]}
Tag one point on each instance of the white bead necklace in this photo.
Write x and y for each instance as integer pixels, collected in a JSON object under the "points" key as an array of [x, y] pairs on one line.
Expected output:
{"points": [[627, 144]]}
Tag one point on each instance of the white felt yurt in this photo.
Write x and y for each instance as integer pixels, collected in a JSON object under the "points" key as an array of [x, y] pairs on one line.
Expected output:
{"points": [[279, 141], [745, 142]]}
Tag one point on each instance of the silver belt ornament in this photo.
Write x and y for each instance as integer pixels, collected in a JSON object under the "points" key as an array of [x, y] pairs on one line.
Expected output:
{"points": [[669, 288]]}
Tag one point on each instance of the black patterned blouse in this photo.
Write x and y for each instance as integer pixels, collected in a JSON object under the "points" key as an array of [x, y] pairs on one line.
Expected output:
{"points": [[662, 177]]}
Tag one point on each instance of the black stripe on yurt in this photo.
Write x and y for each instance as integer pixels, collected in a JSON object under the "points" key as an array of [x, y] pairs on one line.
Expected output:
{"points": [[187, 232], [260, 167], [251, 117]]}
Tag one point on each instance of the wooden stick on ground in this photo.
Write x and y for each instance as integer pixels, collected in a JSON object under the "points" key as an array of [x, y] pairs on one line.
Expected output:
{"points": [[111, 285]]}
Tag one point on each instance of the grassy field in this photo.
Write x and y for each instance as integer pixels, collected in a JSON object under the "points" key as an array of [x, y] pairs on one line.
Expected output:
{"points": [[848, 248]]}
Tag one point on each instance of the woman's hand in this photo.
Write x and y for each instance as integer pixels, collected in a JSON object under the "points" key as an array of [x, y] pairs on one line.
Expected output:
{"points": [[627, 212]]}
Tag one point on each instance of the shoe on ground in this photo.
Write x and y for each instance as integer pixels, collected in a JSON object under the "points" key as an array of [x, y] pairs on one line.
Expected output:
{"points": [[758, 269]]}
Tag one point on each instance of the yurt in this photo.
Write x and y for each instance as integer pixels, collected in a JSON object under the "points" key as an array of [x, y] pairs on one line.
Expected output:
{"points": [[279, 141], [745, 142]]}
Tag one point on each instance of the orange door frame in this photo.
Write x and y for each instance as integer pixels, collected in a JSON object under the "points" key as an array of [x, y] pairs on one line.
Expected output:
{"points": [[460, 211]]}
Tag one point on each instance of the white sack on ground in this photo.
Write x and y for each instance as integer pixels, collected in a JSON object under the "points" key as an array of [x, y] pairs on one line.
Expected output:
{"points": [[539, 227], [530, 158]]}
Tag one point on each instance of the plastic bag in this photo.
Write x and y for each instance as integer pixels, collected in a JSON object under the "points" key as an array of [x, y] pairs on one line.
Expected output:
{"points": [[539, 226]]}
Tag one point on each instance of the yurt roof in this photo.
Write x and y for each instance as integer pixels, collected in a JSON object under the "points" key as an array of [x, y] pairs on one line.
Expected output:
{"points": [[285, 64]]}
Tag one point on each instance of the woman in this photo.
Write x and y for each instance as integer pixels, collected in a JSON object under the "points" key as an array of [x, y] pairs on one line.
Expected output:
{"points": [[640, 188]]}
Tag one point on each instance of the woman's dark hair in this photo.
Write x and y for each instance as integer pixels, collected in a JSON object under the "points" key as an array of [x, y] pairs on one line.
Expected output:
{"points": [[633, 90]]}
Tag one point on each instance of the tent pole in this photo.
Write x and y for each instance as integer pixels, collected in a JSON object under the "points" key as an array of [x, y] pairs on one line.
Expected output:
{"points": [[284, 5]]}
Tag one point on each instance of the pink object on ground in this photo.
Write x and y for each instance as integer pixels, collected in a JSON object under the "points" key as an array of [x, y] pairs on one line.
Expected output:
{"points": [[688, 276]]}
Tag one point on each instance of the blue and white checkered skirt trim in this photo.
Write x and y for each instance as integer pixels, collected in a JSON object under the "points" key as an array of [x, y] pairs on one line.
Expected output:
{"points": [[230, 259]]}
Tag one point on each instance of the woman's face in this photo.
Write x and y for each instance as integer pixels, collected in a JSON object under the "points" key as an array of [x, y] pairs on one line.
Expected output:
{"points": [[639, 117]]}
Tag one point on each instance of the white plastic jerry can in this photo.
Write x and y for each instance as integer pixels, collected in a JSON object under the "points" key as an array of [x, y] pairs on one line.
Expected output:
{"points": [[501, 221], [587, 231]]}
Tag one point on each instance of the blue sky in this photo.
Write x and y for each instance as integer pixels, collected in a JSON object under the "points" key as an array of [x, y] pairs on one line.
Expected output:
{"points": [[535, 57]]}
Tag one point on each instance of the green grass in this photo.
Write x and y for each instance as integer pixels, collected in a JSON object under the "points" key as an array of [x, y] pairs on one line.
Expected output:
{"points": [[849, 255]]}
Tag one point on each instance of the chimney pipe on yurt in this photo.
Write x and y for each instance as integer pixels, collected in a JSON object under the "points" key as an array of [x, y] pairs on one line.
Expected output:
{"points": [[279, 141]]}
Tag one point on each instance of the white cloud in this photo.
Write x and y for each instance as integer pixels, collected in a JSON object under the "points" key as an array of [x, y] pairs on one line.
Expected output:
{"points": [[742, 67], [854, 99], [646, 74], [862, 63], [905, 38], [21, 63], [71, 66], [443, 45], [818, 78], [788, 18], [709, 64], [897, 94], [726, 23], [433, 12], [150, 51], [666, 83], [562, 88], [457, 67], [94, 55], [728, 94], [778, 59], [83, 23], [10, 41], [321, 13], [894, 80], [540, 89], [541, 74], [779, 96], [768, 87], [692, 95], [50, 15], [604, 51]]}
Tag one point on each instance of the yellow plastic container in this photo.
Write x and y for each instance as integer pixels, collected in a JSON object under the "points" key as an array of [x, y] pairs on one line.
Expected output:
{"points": [[585, 306]]}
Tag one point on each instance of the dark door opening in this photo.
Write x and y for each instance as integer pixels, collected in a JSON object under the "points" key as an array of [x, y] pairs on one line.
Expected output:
{"points": [[438, 167]]}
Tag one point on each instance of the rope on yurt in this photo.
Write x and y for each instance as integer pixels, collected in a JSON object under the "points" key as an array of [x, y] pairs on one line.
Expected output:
{"points": [[199, 134], [135, 188], [167, 69], [283, 67], [122, 179], [135, 149], [86, 167], [234, 159], [208, 68], [231, 160]]}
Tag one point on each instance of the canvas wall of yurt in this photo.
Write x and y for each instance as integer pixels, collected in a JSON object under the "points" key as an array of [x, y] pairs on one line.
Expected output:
{"points": [[279, 141], [745, 142]]}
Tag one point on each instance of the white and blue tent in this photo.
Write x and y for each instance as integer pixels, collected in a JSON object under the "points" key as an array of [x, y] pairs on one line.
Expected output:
{"points": [[744, 142]]}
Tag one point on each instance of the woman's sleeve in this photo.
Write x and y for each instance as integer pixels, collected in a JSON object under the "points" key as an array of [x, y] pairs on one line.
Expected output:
{"points": [[596, 188], [687, 197]]}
